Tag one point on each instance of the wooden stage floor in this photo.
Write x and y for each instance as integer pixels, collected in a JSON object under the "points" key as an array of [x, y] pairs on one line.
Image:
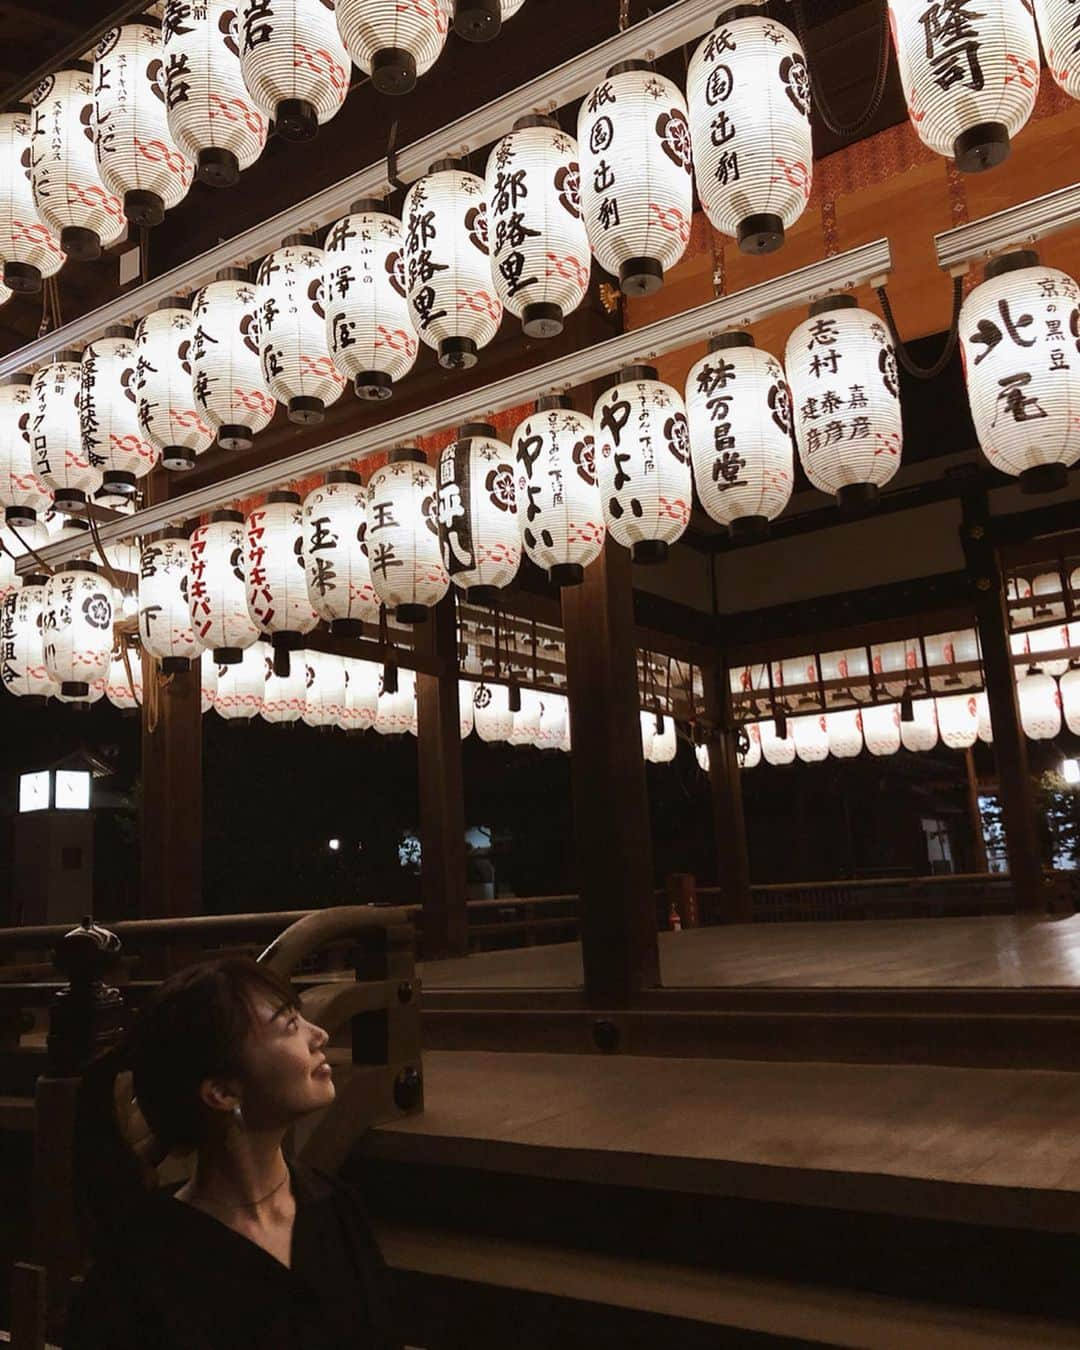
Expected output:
{"points": [[999, 951]]}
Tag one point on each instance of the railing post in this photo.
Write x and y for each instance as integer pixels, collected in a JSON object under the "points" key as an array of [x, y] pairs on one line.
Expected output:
{"points": [[682, 898]]}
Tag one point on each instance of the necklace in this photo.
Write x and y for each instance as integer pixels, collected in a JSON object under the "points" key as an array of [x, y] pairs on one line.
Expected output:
{"points": [[253, 1204]]}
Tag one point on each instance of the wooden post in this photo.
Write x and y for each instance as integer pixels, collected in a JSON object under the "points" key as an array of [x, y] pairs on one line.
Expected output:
{"points": [[680, 888], [442, 805], [978, 852], [611, 809], [725, 784]]}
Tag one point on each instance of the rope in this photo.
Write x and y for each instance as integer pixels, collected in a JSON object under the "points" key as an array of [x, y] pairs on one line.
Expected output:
{"points": [[925, 372], [830, 119]]}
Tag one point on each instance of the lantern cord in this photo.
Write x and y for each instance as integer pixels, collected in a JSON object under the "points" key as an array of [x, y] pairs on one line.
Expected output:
{"points": [[391, 160], [925, 372], [830, 119]]}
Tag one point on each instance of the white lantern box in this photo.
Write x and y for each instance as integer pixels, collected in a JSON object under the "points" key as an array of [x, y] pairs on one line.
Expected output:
{"points": [[393, 43], [406, 562]]}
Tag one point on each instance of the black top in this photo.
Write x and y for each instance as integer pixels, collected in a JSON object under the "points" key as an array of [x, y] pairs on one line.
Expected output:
{"points": [[179, 1279]]}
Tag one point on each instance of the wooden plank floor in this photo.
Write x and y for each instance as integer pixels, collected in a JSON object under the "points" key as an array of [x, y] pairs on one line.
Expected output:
{"points": [[998, 951]]}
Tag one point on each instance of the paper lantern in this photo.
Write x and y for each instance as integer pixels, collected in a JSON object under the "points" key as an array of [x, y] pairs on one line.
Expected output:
{"points": [[208, 682], [394, 43], [284, 696], [1023, 385], [950, 649], [168, 414], [986, 728], [68, 191], [701, 754], [901, 660], [241, 686], [1039, 704], [492, 717], [294, 63], [664, 742], [61, 461], [748, 91], [970, 74], [1069, 691], [362, 693], [326, 684], [841, 367], [226, 370], [776, 749], [211, 116], [277, 593], [369, 329], [395, 713], [217, 587], [165, 625], [560, 510], [22, 493], [1057, 23], [22, 668], [526, 719], [123, 692], [636, 175], [466, 693], [811, 737], [109, 411], [850, 664], [407, 569], [335, 554], [921, 733], [136, 155], [1055, 636], [844, 732], [95, 692], [31, 252], [447, 269], [643, 446], [478, 514], [958, 720], [555, 721], [881, 728], [77, 625], [540, 257], [750, 756], [738, 407], [647, 719], [296, 362]]}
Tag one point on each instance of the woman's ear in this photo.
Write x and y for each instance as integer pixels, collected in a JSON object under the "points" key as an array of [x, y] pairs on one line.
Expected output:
{"points": [[219, 1094]]}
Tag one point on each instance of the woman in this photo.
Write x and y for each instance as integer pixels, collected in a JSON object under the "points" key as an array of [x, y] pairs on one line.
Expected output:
{"points": [[253, 1251]]}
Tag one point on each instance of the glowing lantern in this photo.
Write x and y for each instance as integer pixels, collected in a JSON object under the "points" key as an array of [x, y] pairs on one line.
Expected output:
{"points": [[61, 460], [647, 719], [277, 593], [1069, 690], [921, 733], [122, 692], [95, 692], [1057, 28], [900, 660], [22, 493], [881, 728], [164, 617], [844, 731], [109, 411], [526, 719], [841, 367], [284, 696], [208, 682], [335, 554], [68, 192], [447, 268], [811, 737], [77, 626], [211, 116], [326, 684], [23, 670], [986, 728], [477, 512], [242, 686], [403, 536], [958, 720], [554, 721], [492, 716], [540, 256], [362, 694], [466, 692], [748, 90], [369, 329], [296, 362], [1040, 705], [750, 757], [294, 63], [664, 742], [777, 749], [396, 710], [217, 589], [851, 665], [226, 371], [738, 407], [970, 74], [168, 414], [1023, 409], [701, 754], [950, 649], [1055, 637], [561, 516], [29, 249], [394, 43], [136, 156], [643, 445], [636, 175]]}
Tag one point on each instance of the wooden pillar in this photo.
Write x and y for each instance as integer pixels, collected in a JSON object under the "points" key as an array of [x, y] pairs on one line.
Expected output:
{"points": [[442, 801], [611, 808], [1010, 745], [725, 784], [978, 845]]}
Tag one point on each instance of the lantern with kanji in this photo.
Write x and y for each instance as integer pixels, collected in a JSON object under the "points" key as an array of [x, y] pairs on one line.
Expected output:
{"points": [[406, 562], [1040, 705], [643, 456], [845, 392], [284, 696], [335, 556], [277, 592], [227, 380], [748, 90], [109, 411], [970, 74], [22, 671], [920, 732], [958, 720], [362, 694], [881, 728], [212, 117], [738, 408], [168, 411], [477, 513], [637, 182], [70, 196], [777, 748], [123, 683], [392, 42], [843, 728], [1057, 23], [241, 687], [61, 460], [217, 588], [1022, 379], [22, 493], [164, 616], [540, 257], [294, 63], [811, 735], [31, 252], [77, 626], [369, 328], [447, 269], [492, 715], [296, 362]]}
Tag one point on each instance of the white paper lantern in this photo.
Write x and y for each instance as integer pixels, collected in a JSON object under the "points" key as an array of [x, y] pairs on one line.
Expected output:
{"points": [[750, 758], [326, 684], [22, 493], [986, 728], [448, 278], [68, 191], [958, 720], [844, 731], [335, 554], [636, 175], [526, 719], [841, 367], [466, 693], [136, 154], [748, 91], [294, 63], [369, 329], [921, 733], [902, 661], [1069, 691], [31, 252], [164, 616], [211, 116], [241, 686], [168, 413], [394, 43], [559, 505], [664, 742], [1040, 705], [701, 754], [22, 646], [849, 664], [362, 694], [540, 258], [77, 625], [395, 713], [61, 461], [122, 692], [1022, 382], [1057, 23], [217, 588], [643, 450], [811, 737], [738, 407], [881, 728], [407, 569], [478, 514], [226, 369], [970, 74], [277, 593], [284, 696], [949, 649], [296, 362], [208, 682], [776, 749], [109, 411], [555, 721], [647, 719], [1055, 636], [491, 712]]}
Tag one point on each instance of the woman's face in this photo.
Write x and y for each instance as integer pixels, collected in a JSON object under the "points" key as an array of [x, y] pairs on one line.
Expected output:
{"points": [[286, 1072]]}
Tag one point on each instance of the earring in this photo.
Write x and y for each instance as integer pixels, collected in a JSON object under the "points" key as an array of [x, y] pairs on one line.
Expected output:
{"points": [[238, 1115]]}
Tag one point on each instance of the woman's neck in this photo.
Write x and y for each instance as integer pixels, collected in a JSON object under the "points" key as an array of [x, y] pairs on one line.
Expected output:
{"points": [[240, 1176]]}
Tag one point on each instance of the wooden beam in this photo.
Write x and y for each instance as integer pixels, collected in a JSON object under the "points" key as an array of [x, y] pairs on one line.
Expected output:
{"points": [[725, 784]]}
